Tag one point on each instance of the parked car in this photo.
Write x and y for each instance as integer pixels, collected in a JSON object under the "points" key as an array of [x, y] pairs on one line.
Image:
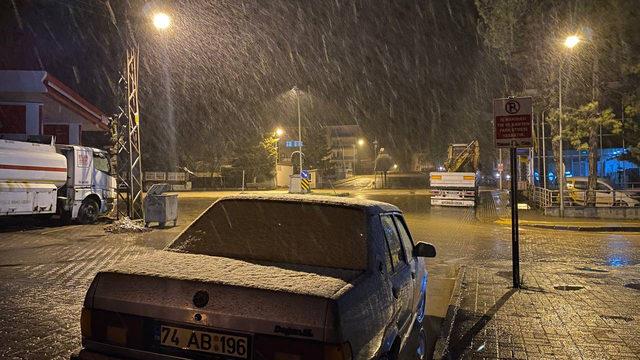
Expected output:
{"points": [[606, 195], [265, 277]]}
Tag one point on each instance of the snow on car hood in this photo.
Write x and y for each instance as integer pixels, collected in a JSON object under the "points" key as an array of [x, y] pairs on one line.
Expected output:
{"points": [[298, 279]]}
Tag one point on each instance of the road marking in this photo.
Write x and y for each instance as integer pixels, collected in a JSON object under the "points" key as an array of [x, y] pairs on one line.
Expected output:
{"points": [[59, 229]]}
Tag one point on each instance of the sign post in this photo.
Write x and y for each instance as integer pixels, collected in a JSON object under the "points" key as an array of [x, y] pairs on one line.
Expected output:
{"points": [[305, 181], [513, 129]]}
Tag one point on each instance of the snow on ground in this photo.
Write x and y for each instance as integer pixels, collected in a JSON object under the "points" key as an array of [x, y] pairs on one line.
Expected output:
{"points": [[126, 225]]}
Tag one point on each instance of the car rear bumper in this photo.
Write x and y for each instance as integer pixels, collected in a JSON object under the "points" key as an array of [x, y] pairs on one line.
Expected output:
{"points": [[93, 350]]}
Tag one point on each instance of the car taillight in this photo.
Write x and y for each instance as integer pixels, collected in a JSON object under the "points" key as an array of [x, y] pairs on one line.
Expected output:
{"points": [[111, 327], [85, 322]]}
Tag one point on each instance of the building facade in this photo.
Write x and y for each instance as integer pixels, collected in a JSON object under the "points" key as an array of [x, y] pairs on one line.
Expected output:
{"points": [[36, 103], [350, 153]]}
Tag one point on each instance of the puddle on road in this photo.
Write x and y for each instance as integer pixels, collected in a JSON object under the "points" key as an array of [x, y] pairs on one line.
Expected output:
{"points": [[634, 286], [568, 287], [617, 318], [586, 268]]}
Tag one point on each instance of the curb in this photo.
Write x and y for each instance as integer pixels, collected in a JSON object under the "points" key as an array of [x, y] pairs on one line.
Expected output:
{"points": [[442, 344], [585, 228], [588, 228]]}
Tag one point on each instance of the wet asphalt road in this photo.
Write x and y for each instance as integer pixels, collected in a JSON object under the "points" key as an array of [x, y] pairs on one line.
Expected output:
{"points": [[45, 269]]}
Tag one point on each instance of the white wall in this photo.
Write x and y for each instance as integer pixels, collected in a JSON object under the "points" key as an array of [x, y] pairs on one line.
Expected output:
{"points": [[33, 119], [282, 174], [74, 134]]}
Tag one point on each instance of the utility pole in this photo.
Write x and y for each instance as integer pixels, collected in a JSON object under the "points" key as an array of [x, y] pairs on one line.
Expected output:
{"points": [[126, 133], [128, 146]]}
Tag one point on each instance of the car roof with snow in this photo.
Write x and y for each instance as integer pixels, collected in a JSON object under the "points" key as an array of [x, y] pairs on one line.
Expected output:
{"points": [[370, 206]]}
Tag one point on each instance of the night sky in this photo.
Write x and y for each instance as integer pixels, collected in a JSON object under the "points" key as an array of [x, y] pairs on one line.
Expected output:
{"points": [[413, 74]]}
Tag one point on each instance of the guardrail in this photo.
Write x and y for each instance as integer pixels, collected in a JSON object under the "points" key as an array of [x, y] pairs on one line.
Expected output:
{"points": [[544, 198]]}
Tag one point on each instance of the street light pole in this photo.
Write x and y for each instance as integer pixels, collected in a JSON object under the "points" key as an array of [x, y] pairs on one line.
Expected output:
{"points": [[569, 42], [354, 159], [276, 178], [544, 154], [278, 134], [561, 165], [295, 89]]}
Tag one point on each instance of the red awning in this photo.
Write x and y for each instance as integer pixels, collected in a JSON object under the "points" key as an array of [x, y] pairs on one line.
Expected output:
{"points": [[71, 99]]}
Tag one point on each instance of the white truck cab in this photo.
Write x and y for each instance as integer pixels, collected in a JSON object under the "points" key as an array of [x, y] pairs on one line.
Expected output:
{"points": [[90, 189]]}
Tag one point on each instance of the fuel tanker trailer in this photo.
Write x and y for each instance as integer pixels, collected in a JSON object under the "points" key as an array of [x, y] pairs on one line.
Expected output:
{"points": [[39, 178]]}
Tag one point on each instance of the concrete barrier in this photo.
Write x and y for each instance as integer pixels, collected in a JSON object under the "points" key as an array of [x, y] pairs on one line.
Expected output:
{"points": [[628, 213]]}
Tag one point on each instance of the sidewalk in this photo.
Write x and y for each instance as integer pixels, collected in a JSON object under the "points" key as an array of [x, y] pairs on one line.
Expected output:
{"points": [[562, 313], [533, 218]]}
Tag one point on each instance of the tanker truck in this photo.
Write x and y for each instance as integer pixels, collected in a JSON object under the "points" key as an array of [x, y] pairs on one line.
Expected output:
{"points": [[40, 178]]}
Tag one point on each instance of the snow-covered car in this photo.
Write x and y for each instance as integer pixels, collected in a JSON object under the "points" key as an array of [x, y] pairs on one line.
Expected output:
{"points": [[265, 277]]}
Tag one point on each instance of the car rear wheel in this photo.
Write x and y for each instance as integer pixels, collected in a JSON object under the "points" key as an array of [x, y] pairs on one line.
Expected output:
{"points": [[421, 345], [88, 213]]}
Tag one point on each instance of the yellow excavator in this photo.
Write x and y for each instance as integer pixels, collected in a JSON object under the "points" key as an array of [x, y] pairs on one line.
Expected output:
{"points": [[463, 157], [457, 185]]}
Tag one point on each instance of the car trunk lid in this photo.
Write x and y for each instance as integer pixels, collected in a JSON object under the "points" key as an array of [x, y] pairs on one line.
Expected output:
{"points": [[250, 297]]}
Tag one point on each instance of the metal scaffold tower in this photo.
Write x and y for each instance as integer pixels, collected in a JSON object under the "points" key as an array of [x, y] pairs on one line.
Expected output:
{"points": [[127, 152]]}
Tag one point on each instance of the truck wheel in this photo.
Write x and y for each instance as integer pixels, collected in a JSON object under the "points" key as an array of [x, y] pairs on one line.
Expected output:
{"points": [[88, 213]]}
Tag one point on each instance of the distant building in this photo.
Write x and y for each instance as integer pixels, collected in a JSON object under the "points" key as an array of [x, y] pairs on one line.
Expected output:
{"points": [[350, 153], [421, 162], [36, 103]]}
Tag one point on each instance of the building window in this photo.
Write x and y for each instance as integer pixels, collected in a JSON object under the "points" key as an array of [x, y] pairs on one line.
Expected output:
{"points": [[13, 119]]}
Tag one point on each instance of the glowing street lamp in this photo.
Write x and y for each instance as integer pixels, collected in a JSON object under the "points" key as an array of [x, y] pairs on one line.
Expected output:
{"points": [[279, 132], [571, 41], [161, 21], [361, 142]]}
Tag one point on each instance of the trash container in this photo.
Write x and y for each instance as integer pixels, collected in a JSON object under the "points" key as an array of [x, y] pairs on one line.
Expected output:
{"points": [[160, 207]]}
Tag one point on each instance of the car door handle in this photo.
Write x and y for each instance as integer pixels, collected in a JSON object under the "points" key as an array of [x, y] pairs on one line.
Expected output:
{"points": [[395, 291]]}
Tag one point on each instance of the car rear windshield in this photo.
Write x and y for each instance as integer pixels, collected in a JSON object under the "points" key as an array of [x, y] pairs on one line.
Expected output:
{"points": [[278, 231]]}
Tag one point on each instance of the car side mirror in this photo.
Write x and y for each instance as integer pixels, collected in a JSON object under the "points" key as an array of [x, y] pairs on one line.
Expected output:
{"points": [[423, 249]]}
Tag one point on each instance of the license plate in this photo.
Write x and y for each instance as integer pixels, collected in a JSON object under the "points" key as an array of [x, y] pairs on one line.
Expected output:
{"points": [[205, 341]]}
